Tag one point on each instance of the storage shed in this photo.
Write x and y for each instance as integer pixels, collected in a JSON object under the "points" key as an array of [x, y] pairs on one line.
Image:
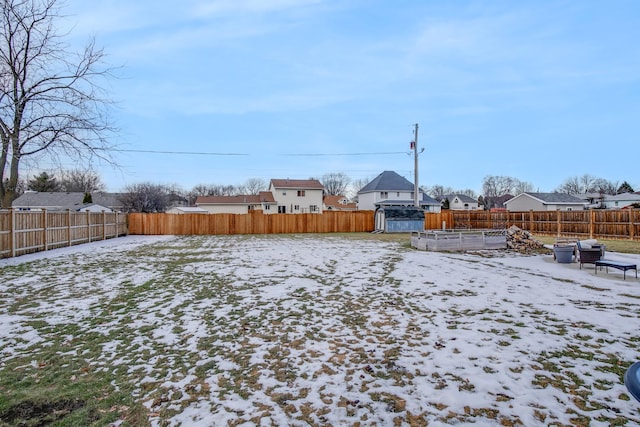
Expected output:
{"points": [[399, 219]]}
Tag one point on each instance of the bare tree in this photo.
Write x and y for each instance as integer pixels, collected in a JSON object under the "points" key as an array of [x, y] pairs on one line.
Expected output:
{"points": [[145, 197], [496, 186], [467, 192], [522, 187], [50, 102], [85, 181], [604, 186], [253, 186], [439, 192], [211, 190], [335, 183], [587, 184]]}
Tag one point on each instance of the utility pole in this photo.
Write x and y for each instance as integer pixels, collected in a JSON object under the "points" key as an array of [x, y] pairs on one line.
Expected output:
{"points": [[416, 187]]}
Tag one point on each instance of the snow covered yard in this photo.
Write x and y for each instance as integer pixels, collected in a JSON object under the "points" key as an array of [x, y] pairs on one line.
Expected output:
{"points": [[312, 330]]}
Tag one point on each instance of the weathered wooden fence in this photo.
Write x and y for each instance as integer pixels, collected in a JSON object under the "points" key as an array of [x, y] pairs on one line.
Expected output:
{"points": [[23, 232], [595, 223], [252, 223]]}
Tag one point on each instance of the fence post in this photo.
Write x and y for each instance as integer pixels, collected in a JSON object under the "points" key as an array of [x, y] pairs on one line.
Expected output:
{"points": [[12, 234], [104, 225], [45, 245], [68, 227], [88, 227], [592, 220], [530, 221], [558, 221], [632, 213]]}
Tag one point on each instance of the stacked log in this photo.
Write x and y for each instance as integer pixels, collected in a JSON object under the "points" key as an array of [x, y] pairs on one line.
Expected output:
{"points": [[523, 242]]}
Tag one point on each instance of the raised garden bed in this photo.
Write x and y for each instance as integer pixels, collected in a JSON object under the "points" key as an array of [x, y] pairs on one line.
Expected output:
{"points": [[458, 240]]}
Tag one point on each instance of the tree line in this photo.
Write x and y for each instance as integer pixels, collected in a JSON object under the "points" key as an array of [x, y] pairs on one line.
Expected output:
{"points": [[151, 197]]}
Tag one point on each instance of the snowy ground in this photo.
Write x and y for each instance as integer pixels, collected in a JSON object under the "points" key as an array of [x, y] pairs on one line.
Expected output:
{"points": [[318, 330]]}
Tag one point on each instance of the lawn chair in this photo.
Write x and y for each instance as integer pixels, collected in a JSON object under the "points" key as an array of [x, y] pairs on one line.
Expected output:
{"points": [[588, 255]]}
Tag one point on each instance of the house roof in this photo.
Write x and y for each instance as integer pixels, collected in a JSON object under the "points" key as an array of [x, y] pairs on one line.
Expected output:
{"points": [[189, 209], [463, 198], [337, 202], [388, 181], [60, 200], [624, 197], [244, 199], [426, 200], [550, 198], [311, 184], [81, 206], [610, 197]]}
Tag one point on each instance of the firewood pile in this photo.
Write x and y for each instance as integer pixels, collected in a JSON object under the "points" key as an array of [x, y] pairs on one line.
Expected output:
{"points": [[522, 241]]}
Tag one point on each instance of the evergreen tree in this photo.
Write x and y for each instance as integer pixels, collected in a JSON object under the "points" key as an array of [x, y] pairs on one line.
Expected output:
{"points": [[625, 187], [43, 183]]}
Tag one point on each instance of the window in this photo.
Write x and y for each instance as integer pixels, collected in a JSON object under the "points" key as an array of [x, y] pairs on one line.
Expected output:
{"points": [[300, 193], [296, 208], [267, 207], [384, 195], [398, 194], [284, 193], [282, 209], [313, 208]]}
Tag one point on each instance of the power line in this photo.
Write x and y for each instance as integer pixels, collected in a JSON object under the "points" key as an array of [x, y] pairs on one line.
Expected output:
{"points": [[203, 153], [340, 154], [197, 153]]}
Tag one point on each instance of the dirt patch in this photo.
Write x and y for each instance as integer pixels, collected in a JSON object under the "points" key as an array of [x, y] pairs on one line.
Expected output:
{"points": [[30, 413]]}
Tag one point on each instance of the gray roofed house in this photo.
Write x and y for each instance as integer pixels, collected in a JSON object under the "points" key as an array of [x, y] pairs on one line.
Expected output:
{"points": [[34, 200], [391, 189], [544, 202]]}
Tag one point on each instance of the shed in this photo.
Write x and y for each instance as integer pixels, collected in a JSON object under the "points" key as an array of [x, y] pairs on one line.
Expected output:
{"points": [[399, 219]]}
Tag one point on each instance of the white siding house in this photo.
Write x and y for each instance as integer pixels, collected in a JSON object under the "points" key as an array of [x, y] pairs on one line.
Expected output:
{"points": [[461, 202], [609, 201], [544, 202], [297, 195], [238, 204], [391, 189]]}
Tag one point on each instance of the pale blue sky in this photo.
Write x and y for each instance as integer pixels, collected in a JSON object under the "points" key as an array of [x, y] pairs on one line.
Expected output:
{"points": [[537, 90]]}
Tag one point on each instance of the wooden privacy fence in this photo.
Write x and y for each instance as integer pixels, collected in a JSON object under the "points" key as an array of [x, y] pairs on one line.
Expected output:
{"points": [[26, 232], [594, 223], [603, 224], [23, 232], [252, 223]]}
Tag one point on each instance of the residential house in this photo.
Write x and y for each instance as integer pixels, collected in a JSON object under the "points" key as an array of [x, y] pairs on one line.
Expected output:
{"points": [[462, 202], [544, 202], [297, 195], [496, 204], [241, 204], [338, 203], [610, 201], [181, 210], [391, 189], [57, 201]]}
